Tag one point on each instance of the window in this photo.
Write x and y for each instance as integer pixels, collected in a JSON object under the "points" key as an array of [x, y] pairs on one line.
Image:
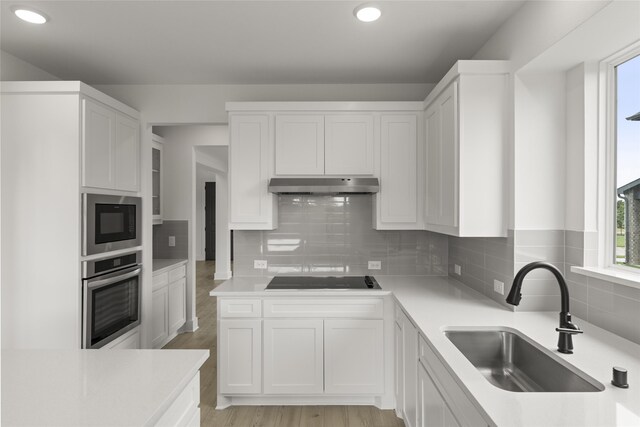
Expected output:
{"points": [[626, 167]]}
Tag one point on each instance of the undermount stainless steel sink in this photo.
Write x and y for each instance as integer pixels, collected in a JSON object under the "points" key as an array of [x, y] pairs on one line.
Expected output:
{"points": [[513, 362]]}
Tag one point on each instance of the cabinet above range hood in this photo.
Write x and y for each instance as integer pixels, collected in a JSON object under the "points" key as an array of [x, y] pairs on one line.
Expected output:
{"points": [[327, 186]]}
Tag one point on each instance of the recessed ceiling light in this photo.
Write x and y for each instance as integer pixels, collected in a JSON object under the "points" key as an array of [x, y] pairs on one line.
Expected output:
{"points": [[367, 13], [30, 15]]}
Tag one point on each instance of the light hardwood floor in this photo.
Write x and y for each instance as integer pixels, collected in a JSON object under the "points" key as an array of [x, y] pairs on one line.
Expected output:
{"points": [[259, 416]]}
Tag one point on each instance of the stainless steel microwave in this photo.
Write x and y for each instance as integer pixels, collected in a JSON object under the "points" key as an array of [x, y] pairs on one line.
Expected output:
{"points": [[110, 223]]}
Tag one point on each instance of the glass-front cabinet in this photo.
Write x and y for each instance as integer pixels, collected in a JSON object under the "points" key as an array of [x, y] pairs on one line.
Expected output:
{"points": [[156, 170]]}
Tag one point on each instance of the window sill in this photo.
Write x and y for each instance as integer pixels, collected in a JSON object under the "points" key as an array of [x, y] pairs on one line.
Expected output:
{"points": [[621, 277]]}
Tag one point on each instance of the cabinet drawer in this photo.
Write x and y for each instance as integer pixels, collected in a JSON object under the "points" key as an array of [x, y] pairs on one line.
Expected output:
{"points": [[368, 308], [240, 308], [160, 280], [177, 273], [464, 410], [181, 411]]}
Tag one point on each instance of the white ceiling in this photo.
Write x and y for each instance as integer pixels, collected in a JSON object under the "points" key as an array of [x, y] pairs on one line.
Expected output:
{"points": [[250, 42]]}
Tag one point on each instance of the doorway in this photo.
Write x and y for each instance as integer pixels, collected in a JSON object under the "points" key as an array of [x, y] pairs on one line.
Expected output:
{"points": [[210, 221]]}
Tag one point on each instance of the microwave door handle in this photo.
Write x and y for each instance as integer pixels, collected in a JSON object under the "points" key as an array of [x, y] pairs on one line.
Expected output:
{"points": [[115, 277]]}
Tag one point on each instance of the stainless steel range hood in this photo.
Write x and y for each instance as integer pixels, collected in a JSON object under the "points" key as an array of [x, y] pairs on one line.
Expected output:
{"points": [[324, 185]]}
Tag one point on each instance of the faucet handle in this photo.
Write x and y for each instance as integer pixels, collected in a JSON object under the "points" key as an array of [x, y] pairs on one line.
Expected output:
{"points": [[570, 331]]}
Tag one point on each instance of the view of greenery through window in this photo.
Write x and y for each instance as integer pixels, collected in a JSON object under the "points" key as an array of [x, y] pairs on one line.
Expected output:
{"points": [[627, 250]]}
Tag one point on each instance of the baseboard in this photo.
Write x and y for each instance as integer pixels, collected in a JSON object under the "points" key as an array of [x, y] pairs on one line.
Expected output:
{"points": [[191, 325], [292, 400], [225, 275]]}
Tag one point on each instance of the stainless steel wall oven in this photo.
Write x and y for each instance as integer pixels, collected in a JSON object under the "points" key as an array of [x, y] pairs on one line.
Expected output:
{"points": [[111, 298]]}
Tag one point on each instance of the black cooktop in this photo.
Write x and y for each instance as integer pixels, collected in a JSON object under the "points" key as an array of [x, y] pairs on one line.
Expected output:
{"points": [[314, 282]]}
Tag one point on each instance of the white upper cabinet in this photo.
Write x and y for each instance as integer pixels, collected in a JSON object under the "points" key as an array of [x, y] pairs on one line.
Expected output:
{"points": [[299, 144], [127, 154], [397, 202], [99, 137], [442, 164], [157, 171], [466, 142], [251, 206], [348, 144], [111, 148], [315, 144]]}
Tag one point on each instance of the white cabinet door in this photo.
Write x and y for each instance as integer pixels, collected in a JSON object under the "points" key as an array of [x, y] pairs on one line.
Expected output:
{"points": [[433, 411], [98, 144], [398, 197], [433, 162], [348, 144], [177, 306], [293, 356], [299, 144], [157, 171], [409, 370], [449, 157], [239, 366], [251, 206], [127, 154], [353, 356], [442, 159], [399, 369], [159, 317]]}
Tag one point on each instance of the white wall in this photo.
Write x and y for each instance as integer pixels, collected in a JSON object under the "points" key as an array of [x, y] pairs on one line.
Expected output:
{"points": [[204, 174], [537, 148], [535, 27], [13, 68], [539, 152], [195, 104]]}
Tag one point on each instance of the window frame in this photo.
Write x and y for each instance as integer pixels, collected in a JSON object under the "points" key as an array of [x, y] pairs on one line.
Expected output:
{"points": [[607, 162]]}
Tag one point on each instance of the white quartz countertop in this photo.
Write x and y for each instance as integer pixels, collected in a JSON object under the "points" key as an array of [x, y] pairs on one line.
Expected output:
{"points": [[161, 265], [93, 387], [437, 303]]}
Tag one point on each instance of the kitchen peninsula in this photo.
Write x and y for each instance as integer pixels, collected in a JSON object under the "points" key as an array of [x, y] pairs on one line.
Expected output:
{"points": [[430, 305], [98, 387]]}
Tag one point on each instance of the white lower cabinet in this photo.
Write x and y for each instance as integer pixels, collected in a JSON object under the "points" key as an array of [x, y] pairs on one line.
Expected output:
{"points": [[302, 355], [184, 411], [432, 408], [239, 356], [426, 393], [168, 305], [177, 304], [293, 356], [406, 367], [353, 356], [159, 317]]}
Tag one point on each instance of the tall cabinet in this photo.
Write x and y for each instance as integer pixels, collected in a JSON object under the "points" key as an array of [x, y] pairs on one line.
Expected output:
{"points": [[59, 139]]}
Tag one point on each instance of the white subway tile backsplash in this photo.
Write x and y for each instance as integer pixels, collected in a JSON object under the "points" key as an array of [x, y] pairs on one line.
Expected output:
{"points": [[325, 235], [608, 305]]}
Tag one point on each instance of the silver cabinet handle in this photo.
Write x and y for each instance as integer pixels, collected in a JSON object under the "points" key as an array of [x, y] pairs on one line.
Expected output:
{"points": [[113, 278]]}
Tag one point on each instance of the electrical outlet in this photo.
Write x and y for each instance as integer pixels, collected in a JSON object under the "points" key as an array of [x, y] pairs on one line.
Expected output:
{"points": [[375, 265], [498, 287], [260, 264], [457, 269], [172, 240]]}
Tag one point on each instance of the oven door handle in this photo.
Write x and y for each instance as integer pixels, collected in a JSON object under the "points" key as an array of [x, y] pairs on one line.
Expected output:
{"points": [[113, 278]]}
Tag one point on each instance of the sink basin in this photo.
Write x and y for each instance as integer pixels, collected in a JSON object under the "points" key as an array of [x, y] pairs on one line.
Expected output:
{"points": [[512, 361]]}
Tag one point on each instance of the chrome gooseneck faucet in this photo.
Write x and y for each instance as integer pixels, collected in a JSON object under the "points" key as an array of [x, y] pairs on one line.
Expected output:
{"points": [[567, 328]]}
